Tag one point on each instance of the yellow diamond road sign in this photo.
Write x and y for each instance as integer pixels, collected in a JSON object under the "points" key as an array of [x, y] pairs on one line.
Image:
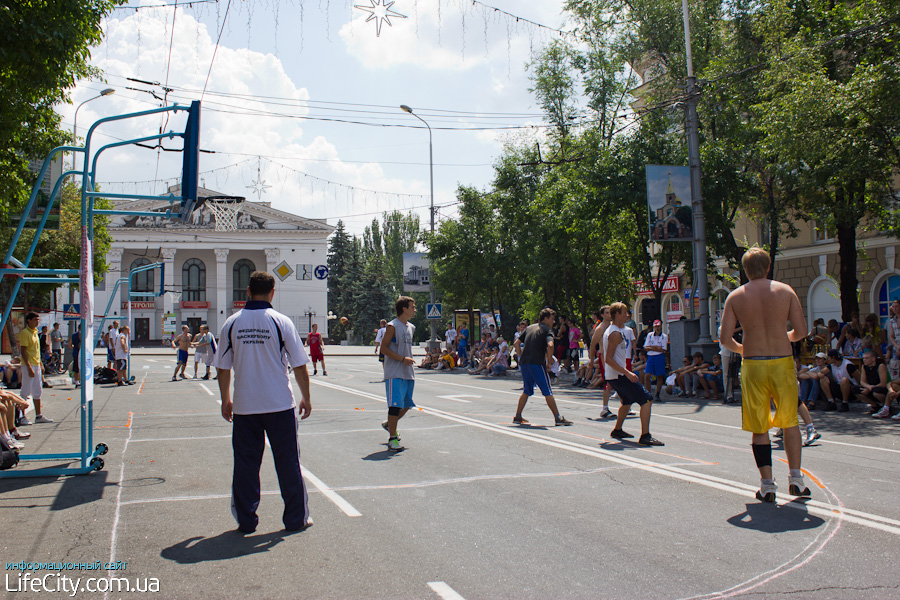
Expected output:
{"points": [[283, 270]]}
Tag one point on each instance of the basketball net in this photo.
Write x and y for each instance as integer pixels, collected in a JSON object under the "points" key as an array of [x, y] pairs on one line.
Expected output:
{"points": [[226, 212]]}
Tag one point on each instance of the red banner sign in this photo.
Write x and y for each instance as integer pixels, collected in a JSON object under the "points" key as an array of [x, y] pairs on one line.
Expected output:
{"points": [[239, 304], [194, 304], [671, 285], [140, 305]]}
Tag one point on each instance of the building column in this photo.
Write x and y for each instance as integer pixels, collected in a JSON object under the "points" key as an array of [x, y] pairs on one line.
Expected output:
{"points": [[221, 288], [113, 273], [168, 256], [272, 260]]}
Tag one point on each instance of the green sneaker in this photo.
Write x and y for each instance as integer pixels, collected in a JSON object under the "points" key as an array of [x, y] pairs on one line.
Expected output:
{"points": [[384, 425], [394, 445]]}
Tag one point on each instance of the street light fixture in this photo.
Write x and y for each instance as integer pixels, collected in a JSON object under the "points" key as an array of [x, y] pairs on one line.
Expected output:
{"points": [[106, 92], [433, 341]]}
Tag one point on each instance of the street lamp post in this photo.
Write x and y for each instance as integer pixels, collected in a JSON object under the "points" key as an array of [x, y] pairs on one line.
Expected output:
{"points": [[693, 142], [433, 342], [106, 92]]}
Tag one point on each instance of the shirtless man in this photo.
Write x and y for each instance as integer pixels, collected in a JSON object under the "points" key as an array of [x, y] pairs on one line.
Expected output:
{"points": [[183, 343], [596, 351], [763, 308]]}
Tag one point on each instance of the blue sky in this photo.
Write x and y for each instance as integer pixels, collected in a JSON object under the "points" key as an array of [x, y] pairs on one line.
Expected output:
{"points": [[285, 76]]}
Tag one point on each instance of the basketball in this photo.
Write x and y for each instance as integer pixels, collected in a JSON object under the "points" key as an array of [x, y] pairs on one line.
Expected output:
{"points": [[344, 320]]}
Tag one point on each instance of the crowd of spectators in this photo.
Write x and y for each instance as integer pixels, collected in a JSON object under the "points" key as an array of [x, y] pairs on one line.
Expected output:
{"points": [[857, 361]]}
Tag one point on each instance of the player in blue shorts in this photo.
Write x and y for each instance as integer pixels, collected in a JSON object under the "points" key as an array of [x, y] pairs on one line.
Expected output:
{"points": [[183, 343], [399, 376], [536, 346]]}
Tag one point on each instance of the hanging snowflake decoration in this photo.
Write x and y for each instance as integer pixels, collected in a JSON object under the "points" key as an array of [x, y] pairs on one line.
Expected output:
{"points": [[380, 11], [259, 186]]}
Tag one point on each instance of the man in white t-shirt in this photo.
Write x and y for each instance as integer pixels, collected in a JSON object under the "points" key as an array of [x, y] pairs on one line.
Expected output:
{"points": [[261, 344], [656, 344], [616, 347], [204, 350], [123, 349], [379, 336], [451, 337]]}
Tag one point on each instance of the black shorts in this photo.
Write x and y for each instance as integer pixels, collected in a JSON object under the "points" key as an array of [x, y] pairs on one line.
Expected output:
{"points": [[121, 364], [75, 364], [629, 392]]}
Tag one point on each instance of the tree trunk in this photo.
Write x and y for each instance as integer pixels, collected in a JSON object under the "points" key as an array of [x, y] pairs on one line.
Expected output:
{"points": [[849, 284], [774, 220]]}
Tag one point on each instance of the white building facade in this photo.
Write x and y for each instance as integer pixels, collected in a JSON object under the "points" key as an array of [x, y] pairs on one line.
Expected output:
{"points": [[208, 270]]}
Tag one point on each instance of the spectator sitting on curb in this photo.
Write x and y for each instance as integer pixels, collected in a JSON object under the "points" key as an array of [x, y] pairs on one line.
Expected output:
{"points": [[485, 362], [9, 404], [430, 360], [691, 378], [893, 394], [10, 370], [585, 373], [711, 377], [811, 379], [844, 383], [446, 360], [498, 364], [873, 383], [852, 347]]}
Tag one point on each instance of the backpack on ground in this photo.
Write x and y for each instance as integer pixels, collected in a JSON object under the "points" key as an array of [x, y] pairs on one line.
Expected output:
{"points": [[9, 457], [104, 375]]}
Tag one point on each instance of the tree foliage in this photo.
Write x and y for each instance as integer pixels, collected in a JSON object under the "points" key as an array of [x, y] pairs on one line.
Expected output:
{"points": [[44, 49]]}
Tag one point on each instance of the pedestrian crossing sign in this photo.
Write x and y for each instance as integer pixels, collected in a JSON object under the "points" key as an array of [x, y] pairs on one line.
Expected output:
{"points": [[433, 311]]}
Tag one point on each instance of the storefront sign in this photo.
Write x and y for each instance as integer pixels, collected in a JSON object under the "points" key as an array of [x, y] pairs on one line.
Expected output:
{"points": [[671, 285], [194, 304], [140, 305], [239, 304]]}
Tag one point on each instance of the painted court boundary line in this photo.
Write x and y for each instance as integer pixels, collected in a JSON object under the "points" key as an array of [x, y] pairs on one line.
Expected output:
{"points": [[813, 506], [444, 591], [670, 417]]}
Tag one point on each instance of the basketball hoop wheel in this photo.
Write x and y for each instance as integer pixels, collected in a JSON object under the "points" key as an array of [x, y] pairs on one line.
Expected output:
{"points": [[225, 209]]}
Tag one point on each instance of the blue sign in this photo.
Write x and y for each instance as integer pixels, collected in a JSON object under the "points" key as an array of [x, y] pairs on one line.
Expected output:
{"points": [[433, 311], [71, 312], [321, 272]]}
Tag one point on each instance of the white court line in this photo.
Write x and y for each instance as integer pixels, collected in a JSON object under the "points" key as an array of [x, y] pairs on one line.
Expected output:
{"points": [[331, 494], [444, 591], [146, 367], [661, 416], [179, 439], [207, 390], [813, 506], [114, 536], [150, 360]]}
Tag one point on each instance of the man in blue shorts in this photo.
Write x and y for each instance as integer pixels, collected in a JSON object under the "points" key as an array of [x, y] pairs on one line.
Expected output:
{"points": [[183, 343], [535, 349], [399, 378], [655, 344], [623, 381]]}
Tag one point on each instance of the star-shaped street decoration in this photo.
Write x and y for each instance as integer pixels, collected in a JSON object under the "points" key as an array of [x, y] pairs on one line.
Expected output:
{"points": [[380, 11], [259, 186]]}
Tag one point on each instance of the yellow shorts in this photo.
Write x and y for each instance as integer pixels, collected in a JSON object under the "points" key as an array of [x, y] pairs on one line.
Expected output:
{"points": [[763, 382]]}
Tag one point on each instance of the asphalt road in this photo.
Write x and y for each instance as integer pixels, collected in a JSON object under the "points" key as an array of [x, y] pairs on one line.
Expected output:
{"points": [[475, 507]]}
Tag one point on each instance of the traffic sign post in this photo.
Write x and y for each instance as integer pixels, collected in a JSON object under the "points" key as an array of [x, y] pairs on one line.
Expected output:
{"points": [[321, 272], [433, 311], [71, 312]]}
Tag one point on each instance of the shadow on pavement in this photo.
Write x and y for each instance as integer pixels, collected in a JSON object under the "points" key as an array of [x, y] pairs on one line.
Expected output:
{"points": [[382, 455], [230, 544], [771, 518]]}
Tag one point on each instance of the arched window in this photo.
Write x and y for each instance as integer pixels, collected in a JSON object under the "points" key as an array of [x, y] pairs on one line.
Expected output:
{"points": [[193, 280], [143, 281], [887, 292], [241, 278]]}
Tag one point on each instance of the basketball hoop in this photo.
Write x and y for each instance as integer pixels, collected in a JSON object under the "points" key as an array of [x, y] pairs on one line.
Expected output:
{"points": [[225, 209], [176, 297]]}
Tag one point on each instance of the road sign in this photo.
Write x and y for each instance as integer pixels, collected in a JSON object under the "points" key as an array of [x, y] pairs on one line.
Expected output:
{"points": [[71, 312], [321, 272], [433, 311], [283, 270]]}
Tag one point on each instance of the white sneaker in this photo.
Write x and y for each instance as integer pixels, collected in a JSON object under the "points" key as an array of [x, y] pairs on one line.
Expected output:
{"points": [[811, 436], [884, 413], [606, 413], [766, 493], [42, 419], [896, 417], [24, 422], [797, 487]]}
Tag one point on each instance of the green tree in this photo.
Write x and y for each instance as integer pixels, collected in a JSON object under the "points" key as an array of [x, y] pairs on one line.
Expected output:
{"points": [[44, 49]]}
